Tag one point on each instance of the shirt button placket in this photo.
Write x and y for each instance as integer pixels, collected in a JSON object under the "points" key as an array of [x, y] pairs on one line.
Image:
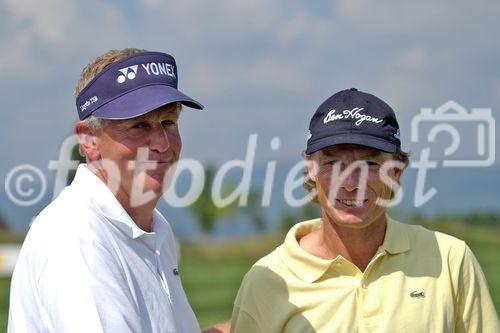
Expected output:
{"points": [[162, 275]]}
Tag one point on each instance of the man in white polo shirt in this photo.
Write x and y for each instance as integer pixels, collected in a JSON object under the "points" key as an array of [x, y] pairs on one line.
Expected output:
{"points": [[100, 257], [355, 269]]}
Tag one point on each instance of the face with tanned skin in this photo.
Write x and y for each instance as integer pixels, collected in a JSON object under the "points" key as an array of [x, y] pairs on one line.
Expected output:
{"points": [[155, 134], [339, 205]]}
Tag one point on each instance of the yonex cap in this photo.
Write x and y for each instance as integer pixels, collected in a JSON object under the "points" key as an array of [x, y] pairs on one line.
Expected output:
{"points": [[133, 86]]}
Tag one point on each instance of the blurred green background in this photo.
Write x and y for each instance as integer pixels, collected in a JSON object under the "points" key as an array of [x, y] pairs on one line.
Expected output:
{"points": [[212, 270]]}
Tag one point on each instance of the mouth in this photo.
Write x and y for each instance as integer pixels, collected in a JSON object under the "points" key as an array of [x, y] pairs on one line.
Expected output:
{"points": [[161, 162], [155, 165], [351, 203], [170, 161]]}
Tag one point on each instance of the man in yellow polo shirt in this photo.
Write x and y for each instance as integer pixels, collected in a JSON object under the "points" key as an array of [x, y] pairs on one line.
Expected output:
{"points": [[355, 269]]}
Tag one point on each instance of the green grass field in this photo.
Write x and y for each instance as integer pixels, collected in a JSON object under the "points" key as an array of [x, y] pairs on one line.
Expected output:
{"points": [[212, 272]]}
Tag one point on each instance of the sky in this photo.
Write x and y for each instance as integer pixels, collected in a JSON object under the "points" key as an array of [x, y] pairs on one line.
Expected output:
{"points": [[260, 67]]}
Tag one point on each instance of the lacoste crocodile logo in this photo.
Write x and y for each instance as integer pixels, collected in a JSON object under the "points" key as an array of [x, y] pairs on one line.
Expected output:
{"points": [[417, 294]]}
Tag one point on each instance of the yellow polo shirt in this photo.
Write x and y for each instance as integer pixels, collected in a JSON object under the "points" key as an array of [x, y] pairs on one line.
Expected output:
{"points": [[418, 281]]}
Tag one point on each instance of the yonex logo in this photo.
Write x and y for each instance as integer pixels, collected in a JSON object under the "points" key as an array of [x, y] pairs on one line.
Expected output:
{"points": [[160, 68], [127, 73], [151, 68]]}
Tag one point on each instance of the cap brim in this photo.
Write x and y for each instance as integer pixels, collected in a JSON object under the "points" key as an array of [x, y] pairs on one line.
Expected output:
{"points": [[357, 139], [144, 100]]}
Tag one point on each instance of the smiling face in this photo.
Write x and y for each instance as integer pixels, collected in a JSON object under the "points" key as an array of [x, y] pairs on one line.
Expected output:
{"points": [[339, 184], [138, 152]]}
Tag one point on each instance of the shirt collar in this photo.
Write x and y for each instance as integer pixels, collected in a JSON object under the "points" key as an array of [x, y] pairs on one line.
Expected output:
{"points": [[101, 197], [304, 265], [160, 227], [310, 268], [396, 237]]}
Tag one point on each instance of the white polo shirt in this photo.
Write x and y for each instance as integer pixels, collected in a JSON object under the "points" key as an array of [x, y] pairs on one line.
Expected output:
{"points": [[85, 266]]}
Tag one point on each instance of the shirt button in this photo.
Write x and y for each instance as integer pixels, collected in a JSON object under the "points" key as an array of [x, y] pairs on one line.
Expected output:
{"points": [[364, 286]]}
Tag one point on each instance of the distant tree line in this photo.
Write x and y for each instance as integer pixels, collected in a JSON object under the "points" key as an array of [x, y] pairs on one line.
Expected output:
{"points": [[207, 214], [475, 218]]}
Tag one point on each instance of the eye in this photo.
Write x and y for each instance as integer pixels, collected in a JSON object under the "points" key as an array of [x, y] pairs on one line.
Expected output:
{"points": [[140, 125], [373, 163], [168, 122], [333, 162]]}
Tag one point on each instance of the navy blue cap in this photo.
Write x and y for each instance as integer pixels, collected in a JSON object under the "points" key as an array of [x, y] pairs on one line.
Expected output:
{"points": [[132, 86], [354, 117]]}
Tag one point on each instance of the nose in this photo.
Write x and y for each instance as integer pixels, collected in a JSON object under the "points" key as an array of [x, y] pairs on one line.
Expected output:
{"points": [[351, 179], [159, 139]]}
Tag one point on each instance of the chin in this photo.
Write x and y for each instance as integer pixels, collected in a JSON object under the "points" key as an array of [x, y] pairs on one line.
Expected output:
{"points": [[154, 180], [350, 222], [349, 219], [152, 184], [155, 186]]}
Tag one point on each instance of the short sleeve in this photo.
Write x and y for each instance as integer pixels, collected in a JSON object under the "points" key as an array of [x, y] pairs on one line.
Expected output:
{"points": [[475, 311], [243, 322]]}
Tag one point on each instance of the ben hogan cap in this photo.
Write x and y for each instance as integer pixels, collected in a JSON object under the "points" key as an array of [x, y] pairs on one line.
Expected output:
{"points": [[354, 117], [133, 86]]}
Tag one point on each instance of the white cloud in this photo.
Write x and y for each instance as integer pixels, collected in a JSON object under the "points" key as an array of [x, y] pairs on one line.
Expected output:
{"points": [[403, 17], [417, 58], [237, 56], [38, 36], [48, 21], [303, 27], [271, 72], [246, 45]]}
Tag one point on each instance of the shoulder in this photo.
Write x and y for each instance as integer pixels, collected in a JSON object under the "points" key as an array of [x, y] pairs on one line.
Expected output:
{"points": [[275, 267], [265, 269], [266, 277], [421, 237], [435, 246], [264, 291], [60, 230], [63, 219]]}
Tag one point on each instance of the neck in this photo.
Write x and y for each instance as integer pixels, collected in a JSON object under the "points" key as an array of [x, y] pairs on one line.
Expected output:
{"points": [[358, 245], [142, 215]]}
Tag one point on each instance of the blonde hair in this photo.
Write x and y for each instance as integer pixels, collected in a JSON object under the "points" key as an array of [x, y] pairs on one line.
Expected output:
{"points": [[101, 62], [91, 70], [310, 185]]}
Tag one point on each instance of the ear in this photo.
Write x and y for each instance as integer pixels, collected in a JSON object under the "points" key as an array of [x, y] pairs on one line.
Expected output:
{"points": [[397, 174], [312, 167], [88, 141], [395, 171]]}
